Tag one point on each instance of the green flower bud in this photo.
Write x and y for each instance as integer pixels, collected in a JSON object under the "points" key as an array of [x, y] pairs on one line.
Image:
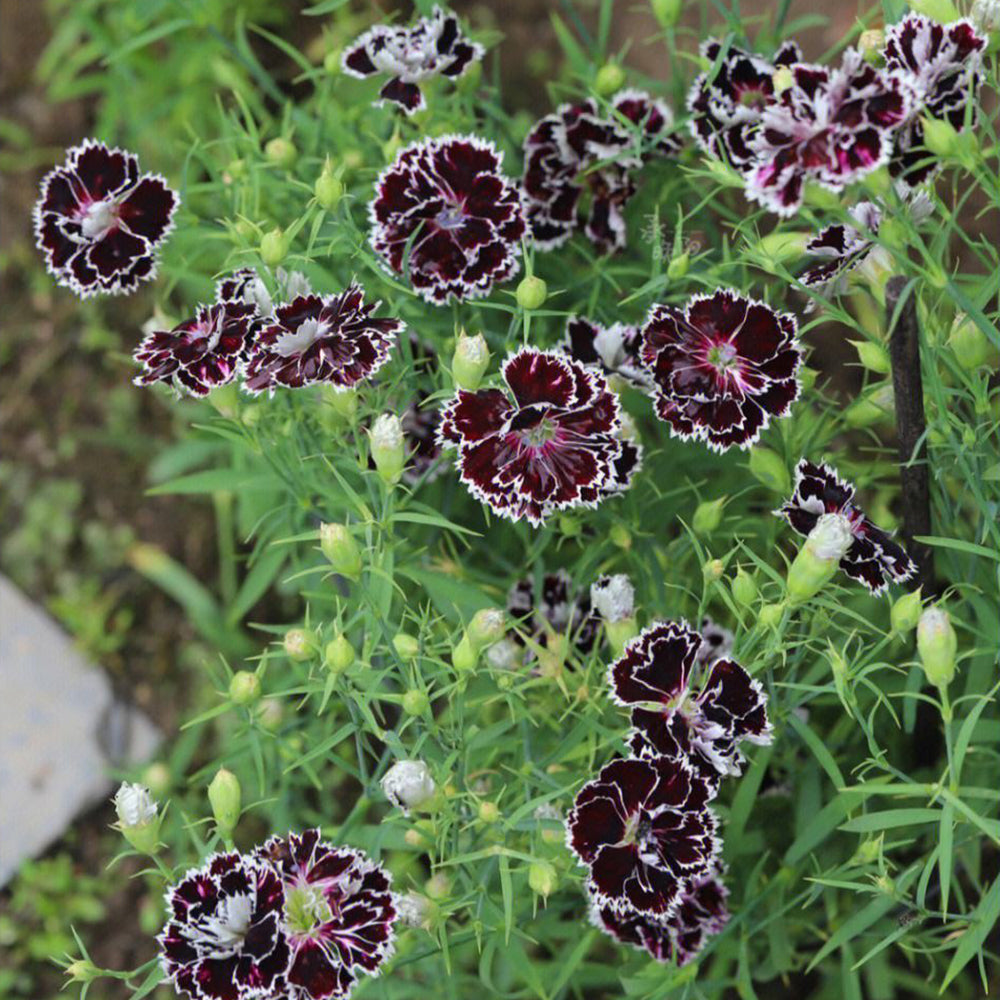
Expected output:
{"points": [[542, 878], [328, 189], [340, 548], [873, 356], [667, 12], [569, 526], [713, 570], [744, 589], [971, 347], [464, 657], [770, 614], [487, 626], [437, 887], [282, 153], [82, 971], [343, 403], [869, 850], [298, 644], [620, 632], [610, 77], [769, 468], [819, 558], [225, 797], [940, 137], [707, 516], [872, 408], [157, 778], [406, 645], [339, 655], [270, 714], [244, 688], [470, 361], [488, 812], [331, 62], [620, 536], [905, 612], [235, 170], [870, 44], [943, 11], [783, 248], [532, 293], [937, 646], [415, 702], [387, 449], [273, 247], [138, 817], [678, 266]]}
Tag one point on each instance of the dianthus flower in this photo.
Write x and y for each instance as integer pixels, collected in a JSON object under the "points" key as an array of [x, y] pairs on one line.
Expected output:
{"points": [[643, 829], [842, 247], [338, 914], [201, 353], [578, 152], [224, 937], [245, 285], [546, 442], [332, 339], [685, 705], [940, 66], [614, 349], [722, 368], [445, 214], [831, 125], [874, 559], [434, 46], [99, 222]]}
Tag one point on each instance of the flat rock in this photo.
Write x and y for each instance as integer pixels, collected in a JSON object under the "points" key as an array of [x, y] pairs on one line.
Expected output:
{"points": [[62, 732]]}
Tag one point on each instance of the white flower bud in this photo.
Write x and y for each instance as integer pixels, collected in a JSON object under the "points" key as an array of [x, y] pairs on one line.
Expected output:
{"points": [[134, 805], [819, 557], [408, 784], [412, 909], [504, 655], [831, 537], [986, 15], [613, 597], [387, 447]]}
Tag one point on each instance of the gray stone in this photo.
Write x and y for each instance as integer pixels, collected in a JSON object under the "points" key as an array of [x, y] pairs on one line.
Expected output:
{"points": [[62, 732]]}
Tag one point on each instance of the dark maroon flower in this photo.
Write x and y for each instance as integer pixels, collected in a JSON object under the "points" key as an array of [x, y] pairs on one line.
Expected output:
{"points": [[578, 153], [613, 349], [224, 938], [685, 705], [726, 105], [246, 285], [873, 559], [680, 937], [201, 353], [99, 221], [338, 914], [332, 339], [842, 247], [548, 442], [723, 368], [644, 830], [831, 126], [434, 46], [445, 215], [940, 66], [559, 608]]}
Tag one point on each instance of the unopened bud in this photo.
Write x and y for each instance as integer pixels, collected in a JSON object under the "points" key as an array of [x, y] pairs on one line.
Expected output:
{"points": [[870, 45], [937, 646], [343, 402], [138, 819], [226, 799], [82, 971], [940, 136], [769, 468], [339, 655], [340, 548], [487, 626], [783, 248], [610, 78], [542, 878], [273, 247], [678, 266], [471, 359], [905, 613], [770, 614], [488, 812], [463, 656], [438, 887], [408, 784], [713, 570], [667, 12], [412, 909], [270, 714], [244, 688], [406, 645], [620, 536], [532, 293], [819, 557], [298, 644], [329, 189], [872, 356], [388, 452], [707, 516], [971, 347], [871, 408], [415, 702], [282, 153], [744, 589]]}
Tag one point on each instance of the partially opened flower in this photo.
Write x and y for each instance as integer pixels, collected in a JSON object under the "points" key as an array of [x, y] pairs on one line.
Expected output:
{"points": [[245, 285], [224, 938], [940, 66], [544, 443], [446, 216], [685, 706], [338, 914], [723, 367], [202, 353], [832, 126], [842, 247], [332, 339], [99, 222], [559, 607], [873, 558], [434, 46], [716, 641], [644, 830], [614, 349]]}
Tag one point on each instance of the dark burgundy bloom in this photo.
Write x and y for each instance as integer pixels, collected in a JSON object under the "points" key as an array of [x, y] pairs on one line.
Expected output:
{"points": [[559, 608], [644, 830], [224, 938], [99, 221], [434, 46], [940, 66], [685, 705], [246, 285], [874, 558], [726, 106], [842, 247], [613, 349], [338, 914], [548, 442], [680, 937], [201, 353], [723, 368], [832, 126], [578, 153], [332, 339], [445, 215]]}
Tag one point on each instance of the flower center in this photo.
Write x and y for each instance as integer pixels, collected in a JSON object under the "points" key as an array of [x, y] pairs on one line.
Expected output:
{"points": [[306, 909], [637, 830], [752, 98], [98, 218], [228, 926], [539, 435], [308, 332], [450, 217], [722, 357]]}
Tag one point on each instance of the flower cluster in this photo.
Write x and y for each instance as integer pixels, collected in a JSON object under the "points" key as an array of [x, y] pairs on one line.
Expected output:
{"points": [[874, 559], [434, 46], [444, 214], [580, 152], [100, 222], [298, 919], [643, 827]]}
